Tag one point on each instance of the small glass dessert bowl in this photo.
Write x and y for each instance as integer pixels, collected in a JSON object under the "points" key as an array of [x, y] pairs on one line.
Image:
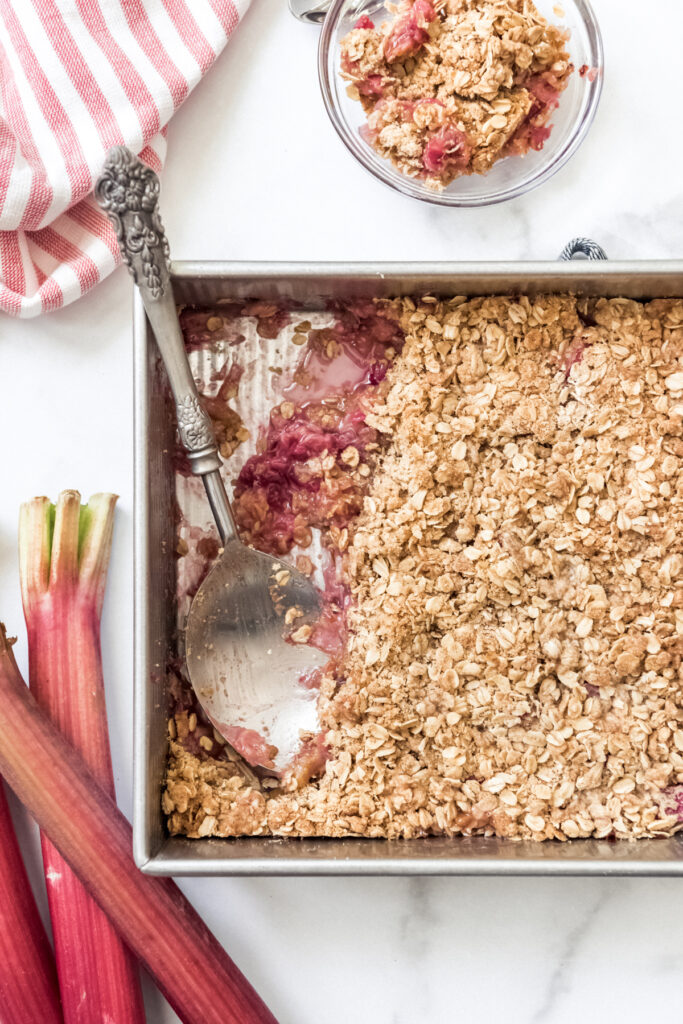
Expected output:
{"points": [[461, 102]]}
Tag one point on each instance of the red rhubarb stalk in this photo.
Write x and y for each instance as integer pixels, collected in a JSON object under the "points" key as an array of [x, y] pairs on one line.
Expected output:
{"points": [[64, 554], [48, 775], [28, 980]]}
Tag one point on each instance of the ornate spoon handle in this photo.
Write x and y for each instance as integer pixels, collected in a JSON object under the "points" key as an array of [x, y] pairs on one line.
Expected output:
{"points": [[128, 192]]}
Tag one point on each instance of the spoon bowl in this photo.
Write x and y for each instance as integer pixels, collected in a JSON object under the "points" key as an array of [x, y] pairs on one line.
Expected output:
{"points": [[251, 677]]}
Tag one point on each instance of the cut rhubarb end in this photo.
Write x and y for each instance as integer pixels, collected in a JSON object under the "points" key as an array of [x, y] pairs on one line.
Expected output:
{"points": [[152, 916], [36, 521], [95, 534], [28, 980], [64, 554]]}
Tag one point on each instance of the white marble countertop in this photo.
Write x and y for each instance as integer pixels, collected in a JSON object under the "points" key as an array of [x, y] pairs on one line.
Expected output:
{"points": [[255, 171]]}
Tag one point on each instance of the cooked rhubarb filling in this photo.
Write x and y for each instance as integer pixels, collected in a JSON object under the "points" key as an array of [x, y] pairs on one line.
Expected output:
{"points": [[498, 485], [451, 87]]}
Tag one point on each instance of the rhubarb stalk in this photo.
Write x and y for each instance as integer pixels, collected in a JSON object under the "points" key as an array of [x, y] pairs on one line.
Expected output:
{"points": [[28, 980], [153, 917], [63, 555]]}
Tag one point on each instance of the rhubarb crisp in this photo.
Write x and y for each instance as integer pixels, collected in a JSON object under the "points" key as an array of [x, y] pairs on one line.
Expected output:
{"points": [[451, 86], [508, 585]]}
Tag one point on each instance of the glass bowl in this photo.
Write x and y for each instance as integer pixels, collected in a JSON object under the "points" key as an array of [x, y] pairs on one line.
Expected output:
{"points": [[509, 177]]}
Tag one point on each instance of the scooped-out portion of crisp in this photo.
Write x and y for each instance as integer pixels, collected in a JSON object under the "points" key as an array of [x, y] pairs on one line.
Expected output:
{"points": [[451, 87], [507, 581]]}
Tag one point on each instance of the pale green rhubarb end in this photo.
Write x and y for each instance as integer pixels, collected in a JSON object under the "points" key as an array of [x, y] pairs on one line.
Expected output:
{"points": [[28, 980], [152, 916], [63, 557]]}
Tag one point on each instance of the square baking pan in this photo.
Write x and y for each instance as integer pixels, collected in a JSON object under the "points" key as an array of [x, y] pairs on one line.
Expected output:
{"points": [[312, 286]]}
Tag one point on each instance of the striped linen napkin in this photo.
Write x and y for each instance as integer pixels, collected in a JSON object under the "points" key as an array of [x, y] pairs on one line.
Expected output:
{"points": [[77, 77]]}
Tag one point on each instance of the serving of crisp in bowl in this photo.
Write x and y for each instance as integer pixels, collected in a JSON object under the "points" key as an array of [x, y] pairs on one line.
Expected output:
{"points": [[461, 102]]}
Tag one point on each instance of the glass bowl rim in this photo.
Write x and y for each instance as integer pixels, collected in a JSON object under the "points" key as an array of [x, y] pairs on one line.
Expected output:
{"points": [[408, 186]]}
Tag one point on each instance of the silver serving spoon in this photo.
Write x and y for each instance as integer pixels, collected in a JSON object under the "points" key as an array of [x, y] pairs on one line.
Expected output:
{"points": [[248, 677]]}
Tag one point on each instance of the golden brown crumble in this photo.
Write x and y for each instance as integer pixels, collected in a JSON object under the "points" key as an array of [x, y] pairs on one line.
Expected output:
{"points": [[514, 666], [451, 87]]}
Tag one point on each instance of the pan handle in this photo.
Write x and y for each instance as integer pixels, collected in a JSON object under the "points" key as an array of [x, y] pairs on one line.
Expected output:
{"points": [[583, 248]]}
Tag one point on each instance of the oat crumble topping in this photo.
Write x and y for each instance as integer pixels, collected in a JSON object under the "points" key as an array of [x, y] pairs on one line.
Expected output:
{"points": [[514, 658], [451, 87]]}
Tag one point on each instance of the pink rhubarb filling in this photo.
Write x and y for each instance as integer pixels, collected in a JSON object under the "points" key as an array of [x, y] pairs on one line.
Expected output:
{"points": [[309, 473], [410, 32]]}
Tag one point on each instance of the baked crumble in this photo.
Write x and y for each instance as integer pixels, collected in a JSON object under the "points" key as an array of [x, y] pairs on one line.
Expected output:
{"points": [[515, 629], [450, 87]]}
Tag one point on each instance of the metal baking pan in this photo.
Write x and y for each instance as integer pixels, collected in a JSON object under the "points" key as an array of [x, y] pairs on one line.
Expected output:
{"points": [[312, 285]]}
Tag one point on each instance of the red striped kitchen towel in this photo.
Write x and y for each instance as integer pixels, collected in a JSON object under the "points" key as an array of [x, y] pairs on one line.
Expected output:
{"points": [[77, 77]]}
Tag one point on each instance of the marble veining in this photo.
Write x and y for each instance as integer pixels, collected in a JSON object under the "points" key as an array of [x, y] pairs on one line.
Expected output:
{"points": [[560, 979]]}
